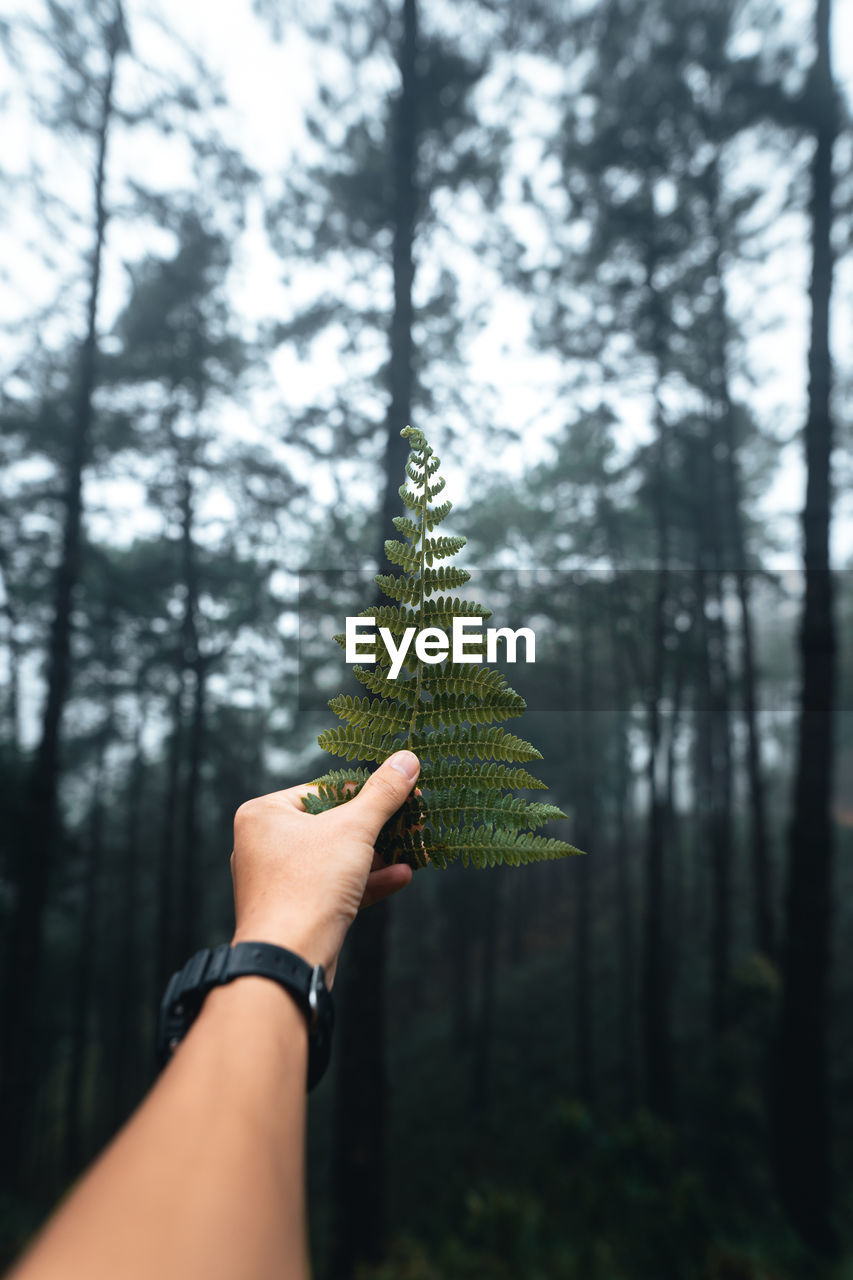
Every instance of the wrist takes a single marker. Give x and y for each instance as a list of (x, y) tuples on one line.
[(312, 942), (262, 999), (263, 967)]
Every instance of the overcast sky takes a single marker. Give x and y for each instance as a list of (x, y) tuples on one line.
[(270, 83)]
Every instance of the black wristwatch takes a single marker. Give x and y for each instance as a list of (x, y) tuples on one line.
[(212, 968)]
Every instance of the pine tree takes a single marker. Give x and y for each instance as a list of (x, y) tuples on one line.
[(800, 1099), (25, 947)]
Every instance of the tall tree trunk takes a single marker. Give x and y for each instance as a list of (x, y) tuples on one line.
[(189, 911), (716, 687), (626, 942), (457, 911), (764, 928), (801, 1104), (732, 504), (81, 996), (657, 1048), (519, 916), (190, 897), (401, 369), (721, 818), (674, 842), (12, 705), (127, 1074), (713, 764), (25, 949), (361, 1097), (166, 953), (481, 1058), (585, 818), (656, 1042)]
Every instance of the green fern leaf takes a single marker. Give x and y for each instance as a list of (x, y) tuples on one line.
[(358, 744), (448, 712)]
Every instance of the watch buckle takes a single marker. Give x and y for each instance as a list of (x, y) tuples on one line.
[(317, 983)]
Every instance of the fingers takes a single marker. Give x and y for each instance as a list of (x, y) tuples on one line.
[(387, 880), (384, 791)]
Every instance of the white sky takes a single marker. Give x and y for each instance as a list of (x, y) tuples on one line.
[(269, 85)]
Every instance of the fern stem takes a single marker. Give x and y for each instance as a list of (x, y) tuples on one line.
[(420, 667)]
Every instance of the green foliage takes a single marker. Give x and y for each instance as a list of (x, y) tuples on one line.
[(448, 713)]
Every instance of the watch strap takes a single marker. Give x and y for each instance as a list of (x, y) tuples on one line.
[(208, 968)]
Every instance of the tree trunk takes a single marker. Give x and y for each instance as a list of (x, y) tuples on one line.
[(128, 989), (762, 873), (656, 1043), (481, 1059), (25, 947), (458, 906), (657, 1049), (715, 683), (81, 995), (361, 1100), (585, 818), (801, 1104), (713, 789), (191, 898), (401, 369), (12, 705), (166, 954), (189, 914), (721, 818), (624, 890), (674, 842), (519, 914), (732, 503), (358, 1158)]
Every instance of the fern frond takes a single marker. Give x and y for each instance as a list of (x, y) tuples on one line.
[(408, 527), (450, 708), (441, 612), (482, 683), (374, 679), (442, 548), (473, 743), (466, 804), (411, 500), (400, 553), (371, 713), (334, 789), (434, 517), (405, 590), (358, 744), (448, 712), (484, 775), (409, 558), (488, 846)]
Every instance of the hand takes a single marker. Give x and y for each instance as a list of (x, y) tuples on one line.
[(300, 878)]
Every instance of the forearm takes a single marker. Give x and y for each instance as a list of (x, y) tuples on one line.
[(207, 1179)]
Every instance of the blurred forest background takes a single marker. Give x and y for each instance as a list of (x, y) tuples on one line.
[(600, 251)]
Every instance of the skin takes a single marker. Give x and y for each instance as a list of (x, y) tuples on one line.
[(207, 1180)]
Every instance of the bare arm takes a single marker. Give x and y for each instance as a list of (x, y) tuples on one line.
[(207, 1179)]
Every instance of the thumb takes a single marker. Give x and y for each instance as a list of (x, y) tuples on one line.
[(385, 790)]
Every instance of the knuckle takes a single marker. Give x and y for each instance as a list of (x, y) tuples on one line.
[(246, 813), (242, 813), (381, 784)]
